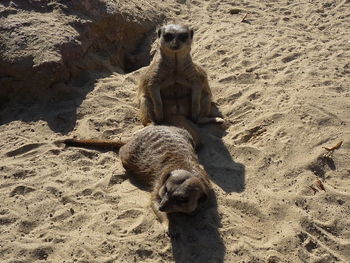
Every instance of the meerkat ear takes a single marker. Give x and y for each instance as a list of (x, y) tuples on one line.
[(191, 33), (165, 177), (159, 32)]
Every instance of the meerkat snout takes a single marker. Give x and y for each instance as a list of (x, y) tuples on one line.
[(182, 192), (175, 37)]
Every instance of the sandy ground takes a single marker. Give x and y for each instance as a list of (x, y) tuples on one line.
[(280, 78)]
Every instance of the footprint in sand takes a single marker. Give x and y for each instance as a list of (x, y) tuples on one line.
[(21, 190), (291, 57), (7, 220), (24, 149), (319, 236), (26, 226), (42, 253)]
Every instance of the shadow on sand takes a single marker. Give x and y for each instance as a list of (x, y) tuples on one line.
[(59, 110), (197, 237), (218, 162)]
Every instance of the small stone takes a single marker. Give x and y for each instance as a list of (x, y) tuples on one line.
[(234, 11)]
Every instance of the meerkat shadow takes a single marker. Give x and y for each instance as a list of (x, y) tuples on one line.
[(217, 160), (196, 237), (135, 180)]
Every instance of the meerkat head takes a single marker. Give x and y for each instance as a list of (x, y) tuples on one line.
[(175, 38), (182, 192)]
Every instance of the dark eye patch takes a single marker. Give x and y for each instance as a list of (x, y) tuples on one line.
[(168, 37), (183, 37), (181, 199)]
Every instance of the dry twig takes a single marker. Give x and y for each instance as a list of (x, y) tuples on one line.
[(243, 19), (330, 150)]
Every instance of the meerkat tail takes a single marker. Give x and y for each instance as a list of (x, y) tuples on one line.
[(205, 120), (103, 144)]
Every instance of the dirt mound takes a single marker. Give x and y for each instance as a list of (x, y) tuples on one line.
[(43, 43)]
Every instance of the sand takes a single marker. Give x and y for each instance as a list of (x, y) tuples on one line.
[(281, 79)]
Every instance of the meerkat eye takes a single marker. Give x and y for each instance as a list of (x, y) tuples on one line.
[(183, 37), (168, 37)]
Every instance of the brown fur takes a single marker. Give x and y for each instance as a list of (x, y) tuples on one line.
[(173, 84), (165, 159)]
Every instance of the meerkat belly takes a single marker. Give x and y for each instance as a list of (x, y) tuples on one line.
[(176, 100)]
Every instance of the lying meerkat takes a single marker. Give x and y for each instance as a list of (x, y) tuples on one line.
[(164, 158), (173, 84)]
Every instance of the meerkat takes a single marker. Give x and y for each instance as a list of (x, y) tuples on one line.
[(164, 158), (173, 85)]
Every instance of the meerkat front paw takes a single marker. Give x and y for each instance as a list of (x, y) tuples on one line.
[(164, 220)]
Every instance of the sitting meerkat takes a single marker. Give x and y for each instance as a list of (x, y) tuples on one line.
[(173, 85), (164, 158)]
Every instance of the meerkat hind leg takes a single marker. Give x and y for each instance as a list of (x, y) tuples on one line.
[(146, 109), (208, 112)]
